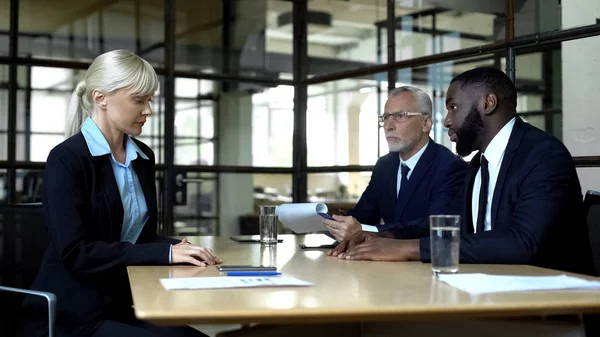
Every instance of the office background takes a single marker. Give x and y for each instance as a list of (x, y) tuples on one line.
[(273, 101)]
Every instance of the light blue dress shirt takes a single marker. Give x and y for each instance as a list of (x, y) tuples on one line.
[(135, 210)]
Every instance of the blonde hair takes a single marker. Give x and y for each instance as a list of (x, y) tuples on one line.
[(109, 72)]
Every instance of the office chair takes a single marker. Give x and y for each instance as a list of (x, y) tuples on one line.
[(23, 240), (33, 183), (50, 297), (591, 204), (591, 207)]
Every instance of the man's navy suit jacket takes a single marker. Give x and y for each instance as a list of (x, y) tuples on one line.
[(537, 214), (433, 185)]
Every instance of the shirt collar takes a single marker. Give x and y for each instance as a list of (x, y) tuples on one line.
[(495, 150), (412, 161), (98, 145)]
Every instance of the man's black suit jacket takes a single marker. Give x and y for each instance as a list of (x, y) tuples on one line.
[(537, 216)]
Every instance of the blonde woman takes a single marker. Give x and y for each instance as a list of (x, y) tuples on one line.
[(100, 205)]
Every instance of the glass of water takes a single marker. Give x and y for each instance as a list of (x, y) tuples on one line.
[(268, 255), (445, 243), (267, 224)]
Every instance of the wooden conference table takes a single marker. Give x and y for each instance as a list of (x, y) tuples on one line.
[(343, 291)]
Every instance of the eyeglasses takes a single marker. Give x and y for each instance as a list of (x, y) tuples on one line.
[(400, 116)]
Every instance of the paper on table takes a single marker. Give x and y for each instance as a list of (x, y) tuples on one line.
[(302, 217), (485, 283), (230, 282)]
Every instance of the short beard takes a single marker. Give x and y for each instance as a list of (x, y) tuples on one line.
[(399, 146), (469, 134)]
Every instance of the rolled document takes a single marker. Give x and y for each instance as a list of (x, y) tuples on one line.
[(302, 217)]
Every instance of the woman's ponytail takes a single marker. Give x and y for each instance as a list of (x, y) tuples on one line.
[(76, 113)]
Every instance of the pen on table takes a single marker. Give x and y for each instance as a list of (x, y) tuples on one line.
[(253, 273)]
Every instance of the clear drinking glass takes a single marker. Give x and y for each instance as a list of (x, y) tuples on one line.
[(268, 255), (268, 225), (445, 243)]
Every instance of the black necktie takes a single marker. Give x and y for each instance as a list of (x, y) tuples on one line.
[(483, 195), (404, 180)]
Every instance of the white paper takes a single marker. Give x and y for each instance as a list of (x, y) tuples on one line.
[(302, 217), (484, 283), (230, 282)]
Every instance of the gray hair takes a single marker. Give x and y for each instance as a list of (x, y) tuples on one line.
[(109, 72), (423, 100)]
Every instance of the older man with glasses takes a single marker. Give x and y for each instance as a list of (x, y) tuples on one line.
[(416, 179)]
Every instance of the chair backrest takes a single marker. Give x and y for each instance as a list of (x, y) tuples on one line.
[(33, 183), (592, 208), (23, 240)]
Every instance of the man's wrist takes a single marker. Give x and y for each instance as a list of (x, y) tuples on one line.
[(387, 234), (414, 250)]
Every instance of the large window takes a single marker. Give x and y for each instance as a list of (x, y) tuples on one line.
[(44, 95), (3, 112), (427, 31), (194, 122), (81, 31), (229, 198), (534, 16), (580, 87), (272, 126), (154, 129), (343, 30), (43, 99), (4, 25), (243, 38), (342, 127)]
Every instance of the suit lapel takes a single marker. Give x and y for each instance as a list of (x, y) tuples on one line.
[(111, 195), (392, 193), (470, 180), (511, 149), (422, 167)]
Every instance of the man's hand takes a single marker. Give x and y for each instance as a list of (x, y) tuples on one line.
[(185, 252), (384, 249), (343, 227), (351, 242)]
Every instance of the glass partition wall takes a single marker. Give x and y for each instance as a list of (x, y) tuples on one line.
[(274, 101)]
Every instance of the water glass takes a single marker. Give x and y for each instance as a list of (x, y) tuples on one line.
[(268, 255), (268, 225), (445, 243)]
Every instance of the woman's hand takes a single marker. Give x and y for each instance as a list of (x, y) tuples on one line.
[(185, 252)]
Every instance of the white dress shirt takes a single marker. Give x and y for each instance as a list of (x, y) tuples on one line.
[(411, 163), (494, 153)]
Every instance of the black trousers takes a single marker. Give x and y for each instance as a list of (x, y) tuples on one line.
[(121, 325), (139, 329)]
